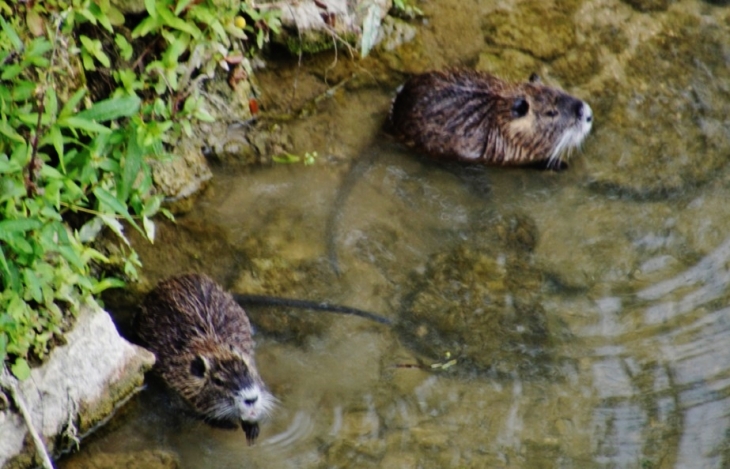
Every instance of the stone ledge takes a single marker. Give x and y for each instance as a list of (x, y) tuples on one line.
[(76, 390)]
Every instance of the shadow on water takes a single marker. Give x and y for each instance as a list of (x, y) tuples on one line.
[(586, 311)]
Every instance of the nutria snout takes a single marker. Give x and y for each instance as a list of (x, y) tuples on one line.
[(205, 353), (476, 117)]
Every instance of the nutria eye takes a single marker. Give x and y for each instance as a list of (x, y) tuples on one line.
[(551, 113), (520, 107), (534, 78)]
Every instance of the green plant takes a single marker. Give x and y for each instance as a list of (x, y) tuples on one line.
[(72, 164), (406, 8)]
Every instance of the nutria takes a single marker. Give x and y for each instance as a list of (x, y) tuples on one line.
[(476, 117), (202, 341)]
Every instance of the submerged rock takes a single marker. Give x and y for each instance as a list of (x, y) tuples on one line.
[(658, 137), (156, 459), (479, 302)]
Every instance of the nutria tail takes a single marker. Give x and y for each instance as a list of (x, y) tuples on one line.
[(263, 300), (357, 169), (476, 117)]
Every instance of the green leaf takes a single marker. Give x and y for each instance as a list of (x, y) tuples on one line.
[(51, 103), (133, 161), (12, 71), (125, 48), (83, 124), (150, 6), (109, 282), (147, 25), (177, 23), (70, 254), (115, 226), (70, 106), (12, 35), (33, 286), (110, 109), (149, 229), (20, 369), (181, 5), (9, 132), (20, 225), (95, 48), (107, 199)]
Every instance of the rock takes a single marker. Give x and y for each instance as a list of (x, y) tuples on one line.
[(537, 27), (181, 177), (129, 6), (156, 459), (311, 26), (656, 138), (479, 306), (79, 386)]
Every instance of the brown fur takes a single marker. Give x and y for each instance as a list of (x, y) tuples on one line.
[(476, 117), (202, 341)]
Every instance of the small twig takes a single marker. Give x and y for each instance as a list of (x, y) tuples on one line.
[(10, 384)]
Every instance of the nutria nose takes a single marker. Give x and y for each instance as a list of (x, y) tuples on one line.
[(251, 401), (583, 111)]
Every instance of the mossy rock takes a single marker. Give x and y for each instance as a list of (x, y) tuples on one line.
[(659, 137), (480, 310), (480, 302), (542, 29)]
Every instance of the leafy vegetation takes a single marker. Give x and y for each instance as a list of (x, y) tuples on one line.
[(85, 104)]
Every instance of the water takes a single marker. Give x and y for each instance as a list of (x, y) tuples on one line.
[(587, 310)]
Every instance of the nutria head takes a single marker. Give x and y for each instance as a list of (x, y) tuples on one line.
[(222, 385), (202, 341), (477, 117)]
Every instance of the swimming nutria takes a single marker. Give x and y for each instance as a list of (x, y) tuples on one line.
[(476, 117), (202, 341)]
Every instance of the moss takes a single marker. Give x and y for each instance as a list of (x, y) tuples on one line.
[(577, 66), (479, 299), (657, 138), (536, 27), (509, 64), (314, 42)]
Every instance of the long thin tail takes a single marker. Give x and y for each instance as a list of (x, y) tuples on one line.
[(263, 300), (357, 169)]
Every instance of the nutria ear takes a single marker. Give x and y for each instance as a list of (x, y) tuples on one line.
[(520, 107), (199, 366), (535, 78)]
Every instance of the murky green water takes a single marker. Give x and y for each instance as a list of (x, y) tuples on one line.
[(587, 310)]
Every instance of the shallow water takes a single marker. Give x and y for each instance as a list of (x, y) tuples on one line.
[(629, 365)]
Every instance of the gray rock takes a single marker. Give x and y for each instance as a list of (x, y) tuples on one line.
[(76, 389)]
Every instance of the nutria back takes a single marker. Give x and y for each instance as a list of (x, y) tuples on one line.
[(202, 341), (476, 117)]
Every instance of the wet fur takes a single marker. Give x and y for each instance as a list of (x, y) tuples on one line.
[(476, 117), (202, 341)]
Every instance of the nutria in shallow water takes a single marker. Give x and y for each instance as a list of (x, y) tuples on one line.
[(202, 341), (476, 117)]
